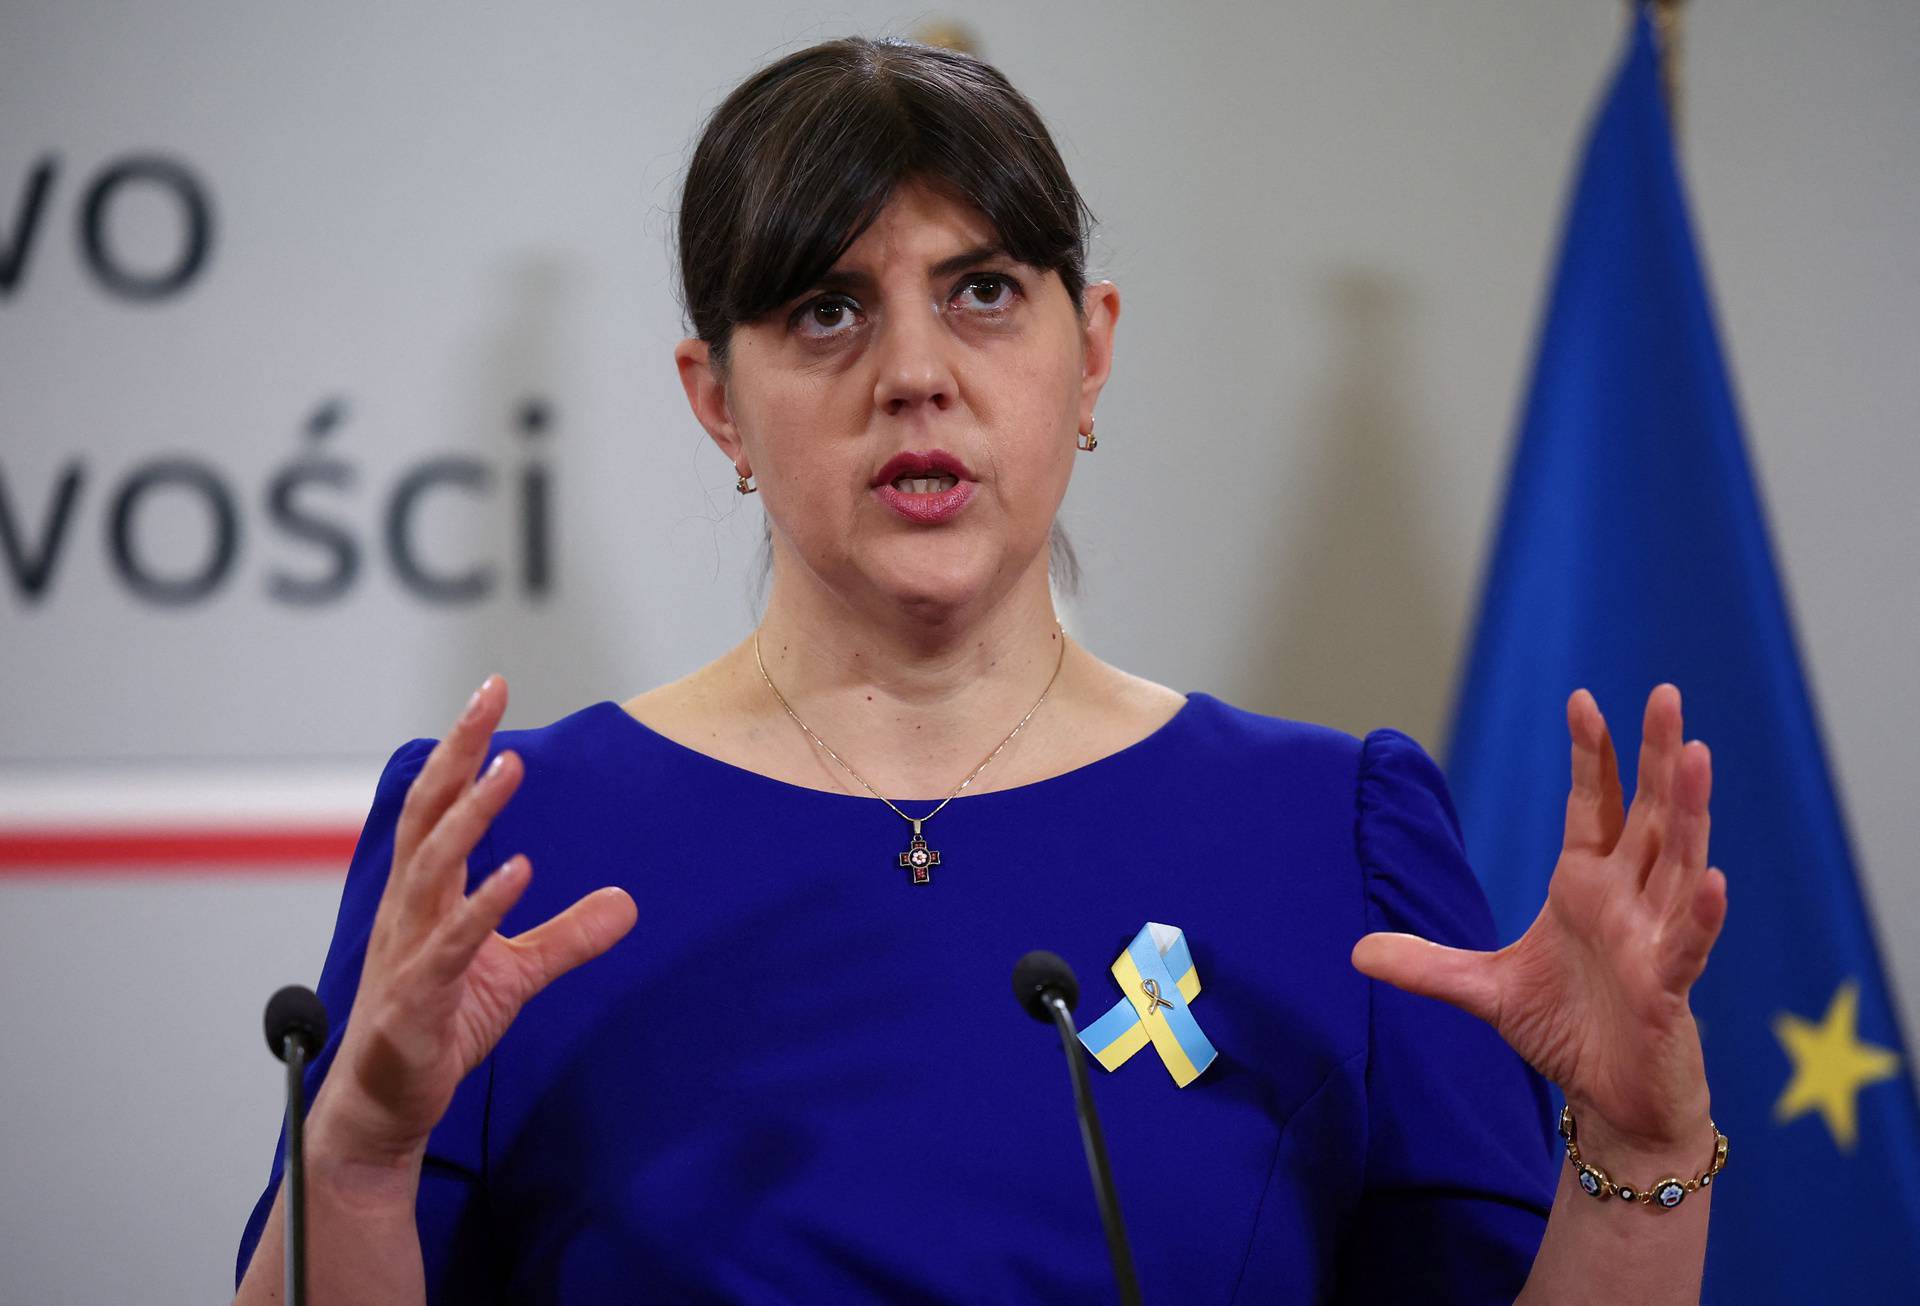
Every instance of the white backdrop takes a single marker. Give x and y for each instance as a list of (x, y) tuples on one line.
[(1330, 223)]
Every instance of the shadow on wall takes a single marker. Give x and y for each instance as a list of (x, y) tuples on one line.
[(512, 411), (1355, 628)]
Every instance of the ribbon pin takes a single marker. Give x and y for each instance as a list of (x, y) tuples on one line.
[(1155, 973)]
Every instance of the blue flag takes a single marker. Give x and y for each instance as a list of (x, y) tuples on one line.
[(1631, 550)]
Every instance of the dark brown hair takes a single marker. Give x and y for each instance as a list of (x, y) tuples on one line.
[(801, 158)]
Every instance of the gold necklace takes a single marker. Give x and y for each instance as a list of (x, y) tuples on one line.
[(918, 858)]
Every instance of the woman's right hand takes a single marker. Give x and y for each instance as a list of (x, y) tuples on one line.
[(440, 985)]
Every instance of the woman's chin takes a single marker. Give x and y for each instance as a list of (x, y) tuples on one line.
[(931, 581)]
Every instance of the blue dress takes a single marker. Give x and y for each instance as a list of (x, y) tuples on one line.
[(803, 1078)]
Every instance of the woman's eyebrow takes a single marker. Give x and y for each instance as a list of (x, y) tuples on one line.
[(856, 279), (967, 258)]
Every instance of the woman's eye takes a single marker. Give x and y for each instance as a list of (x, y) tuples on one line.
[(988, 290), (826, 316)]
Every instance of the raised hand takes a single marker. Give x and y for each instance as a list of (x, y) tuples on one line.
[(1594, 994), (440, 985)]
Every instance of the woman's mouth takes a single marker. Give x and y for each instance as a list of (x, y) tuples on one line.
[(926, 500), (924, 484), (925, 488)]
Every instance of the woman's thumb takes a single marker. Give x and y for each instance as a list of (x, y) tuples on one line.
[(1433, 970)]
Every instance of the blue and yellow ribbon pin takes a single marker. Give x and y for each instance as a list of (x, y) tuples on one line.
[(1157, 976)]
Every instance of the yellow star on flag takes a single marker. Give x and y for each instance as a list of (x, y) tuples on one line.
[(1830, 1065)]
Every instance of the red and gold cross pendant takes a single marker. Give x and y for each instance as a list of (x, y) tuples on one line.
[(919, 858)]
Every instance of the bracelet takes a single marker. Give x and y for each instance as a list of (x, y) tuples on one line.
[(1665, 1193)]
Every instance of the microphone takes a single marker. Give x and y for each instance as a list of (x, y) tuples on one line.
[(1047, 990), (296, 1025), (297, 1013)]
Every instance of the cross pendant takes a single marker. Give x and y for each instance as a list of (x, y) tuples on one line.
[(919, 858)]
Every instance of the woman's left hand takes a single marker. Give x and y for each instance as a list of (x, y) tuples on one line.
[(1594, 994)]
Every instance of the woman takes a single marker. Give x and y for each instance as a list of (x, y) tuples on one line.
[(801, 1079)]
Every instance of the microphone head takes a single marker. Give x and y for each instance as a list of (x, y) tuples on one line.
[(297, 1011), (1037, 972)]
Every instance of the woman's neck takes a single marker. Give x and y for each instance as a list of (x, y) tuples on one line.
[(912, 705)]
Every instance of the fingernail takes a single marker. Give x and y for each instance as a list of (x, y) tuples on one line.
[(473, 704), (493, 767)]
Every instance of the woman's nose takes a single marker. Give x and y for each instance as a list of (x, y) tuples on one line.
[(914, 367)]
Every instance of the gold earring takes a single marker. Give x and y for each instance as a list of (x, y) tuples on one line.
[(740, 484), (1086, 441)]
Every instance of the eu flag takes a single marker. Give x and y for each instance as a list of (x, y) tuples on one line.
[(1631, 550)]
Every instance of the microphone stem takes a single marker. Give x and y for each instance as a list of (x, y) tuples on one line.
[(1098, 1166), (295, 1186)]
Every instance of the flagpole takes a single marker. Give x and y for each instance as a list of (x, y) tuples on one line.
[(1667, 30)]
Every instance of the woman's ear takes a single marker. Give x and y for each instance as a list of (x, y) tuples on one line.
[(707, 395), (1100, 311)]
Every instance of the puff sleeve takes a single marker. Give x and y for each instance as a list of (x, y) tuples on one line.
[(1459, 1161), (451, 1210)]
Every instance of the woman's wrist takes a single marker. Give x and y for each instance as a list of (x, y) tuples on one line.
[(1637, 1170), (363, 1187), (352, 1164), (1685, 1138)]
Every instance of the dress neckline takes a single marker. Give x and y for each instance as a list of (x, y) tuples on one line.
[(1145, 744)]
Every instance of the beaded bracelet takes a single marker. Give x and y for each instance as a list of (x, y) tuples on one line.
[(1665, 1193)]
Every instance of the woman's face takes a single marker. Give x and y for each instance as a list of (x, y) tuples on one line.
[(924, 337)]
